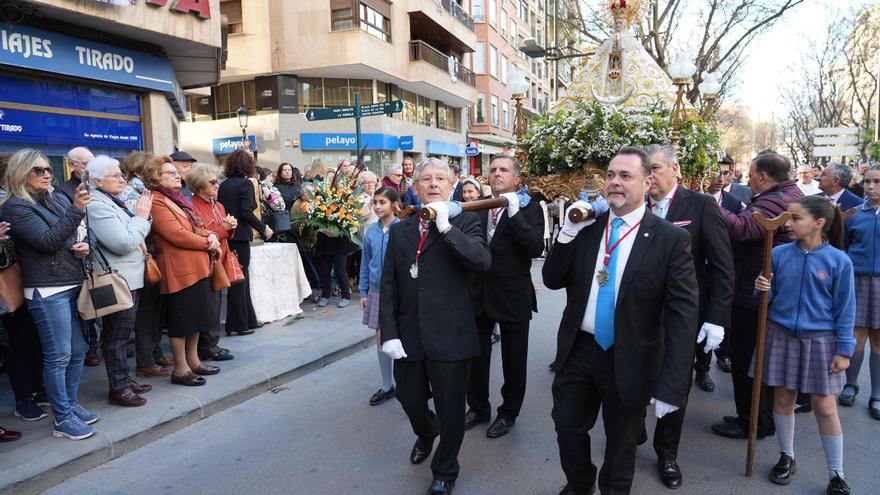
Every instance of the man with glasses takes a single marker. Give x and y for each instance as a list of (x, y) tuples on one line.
[(427, 318), (77, 158), (739, 191)]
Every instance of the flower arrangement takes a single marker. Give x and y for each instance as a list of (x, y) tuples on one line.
[(590, 134), (334, 206)]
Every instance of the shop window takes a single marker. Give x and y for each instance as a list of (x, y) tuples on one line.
[(442, 116), (342, 19), (311, 92), (453, 114), (373, 22), (410, 107), (232, 10), (494, 103), (480, 109), (336, 93), (200, 108), (364, 86), (427, 111)]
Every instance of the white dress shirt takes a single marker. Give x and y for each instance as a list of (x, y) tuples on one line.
[(588, 324), (492, 222), (836, 197)]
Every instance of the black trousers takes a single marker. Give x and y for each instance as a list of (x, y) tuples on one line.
[(667, 433), (514, 356), (208, 339), (148, 325), (240, 313), (446, 381), (743, 338), (336, 263), (24, 356), (584, 384), (115, 331)]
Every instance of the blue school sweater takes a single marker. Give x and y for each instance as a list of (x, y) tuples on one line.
[(373, 256), (862, 232), (813, 291)]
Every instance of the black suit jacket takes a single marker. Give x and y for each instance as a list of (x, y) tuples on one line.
[(432, 315), (238, 197), (710, 246), (742, 192), (731, 203), (507, 293), (655, 318)]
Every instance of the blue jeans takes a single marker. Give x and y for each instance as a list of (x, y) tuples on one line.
[(61, 334)]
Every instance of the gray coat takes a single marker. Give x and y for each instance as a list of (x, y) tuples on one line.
[(119, 238)]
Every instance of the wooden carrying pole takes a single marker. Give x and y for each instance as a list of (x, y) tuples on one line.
[(427, 214), (770, 226)]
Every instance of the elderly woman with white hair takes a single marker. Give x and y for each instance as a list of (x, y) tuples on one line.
[(393, 177), (120, 234)]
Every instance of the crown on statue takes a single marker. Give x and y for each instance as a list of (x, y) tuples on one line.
[(627, 10)]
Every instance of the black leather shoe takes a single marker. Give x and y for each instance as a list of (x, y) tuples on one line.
[(837, 486), (731, 419), (500, 427), (723, 364), (381, 396), (874, 408), (567, 490), (704, 381), (670, 474), (239, 332), (421, 450), (440, 487), (783, 470), (216, 356), (473, 418), (730, 430)]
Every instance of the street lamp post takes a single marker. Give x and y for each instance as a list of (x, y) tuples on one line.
[(518, 84), (243, 114), (681, 71), (709, 89)]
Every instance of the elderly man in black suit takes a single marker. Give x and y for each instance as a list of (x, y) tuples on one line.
[(713, 263), (427, 318), (627, 333), (505, 296)]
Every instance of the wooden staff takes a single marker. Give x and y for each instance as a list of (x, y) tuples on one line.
[(844, 215), (579, 214), (427, 214), (770, 226)]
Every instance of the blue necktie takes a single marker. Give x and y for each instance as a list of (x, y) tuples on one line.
[(607, 293)]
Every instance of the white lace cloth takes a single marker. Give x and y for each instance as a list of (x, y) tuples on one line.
[(278, 281)]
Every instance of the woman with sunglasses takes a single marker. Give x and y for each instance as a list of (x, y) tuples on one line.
[(120, 233), (51, 243)]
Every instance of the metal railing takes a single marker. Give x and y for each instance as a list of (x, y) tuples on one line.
[(421, 51), (459, 13)]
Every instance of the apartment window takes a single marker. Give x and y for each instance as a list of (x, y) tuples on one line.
[(494, 103), (364, 86), (375, 23), (232, 11), (410, 106), (477, 10), (480, 109), (504, 63), (427, 111), (493, 61), (493, 12), (503, 24), (480, 58), (524, 11), (230, 97), (311, 92), (342, 19), (336, 93), (505, 114)]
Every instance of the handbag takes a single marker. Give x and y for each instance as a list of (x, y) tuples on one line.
[(233, 268), (280, 221), (103, 294), (219, 279), (152, 274)]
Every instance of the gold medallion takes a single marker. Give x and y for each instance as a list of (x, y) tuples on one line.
[(602, 277)]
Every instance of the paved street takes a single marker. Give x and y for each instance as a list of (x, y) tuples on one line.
[(317, 435)]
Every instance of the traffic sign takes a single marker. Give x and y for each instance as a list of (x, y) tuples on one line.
[(330, 113), (472, 151), (393, 106)]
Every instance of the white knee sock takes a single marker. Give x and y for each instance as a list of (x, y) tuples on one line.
[(833, 447), (785, 432)]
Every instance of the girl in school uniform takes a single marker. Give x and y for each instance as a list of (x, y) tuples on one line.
[(863, 246), (809, 331), (372, 259)]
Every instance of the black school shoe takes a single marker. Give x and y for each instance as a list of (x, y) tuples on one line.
[(783, 471), (838, 486), (381, 396)]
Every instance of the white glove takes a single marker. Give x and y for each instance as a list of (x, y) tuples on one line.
[(570, 229), (394, 349), (512, 203), (712, 334), (441, 209), (661, 408)]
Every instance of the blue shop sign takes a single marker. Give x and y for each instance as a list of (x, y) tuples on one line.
[(347, 141), (52, 113), (406, 143), (443, 148), (32, 48), (223, 146)]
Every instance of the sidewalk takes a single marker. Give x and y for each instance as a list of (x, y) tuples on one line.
[(276, 354)]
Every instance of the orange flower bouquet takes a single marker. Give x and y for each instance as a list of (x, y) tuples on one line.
[(334, 205)]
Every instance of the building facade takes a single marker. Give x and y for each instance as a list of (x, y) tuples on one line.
[(108, 75), (286, 59)]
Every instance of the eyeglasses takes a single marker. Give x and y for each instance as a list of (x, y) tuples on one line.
[(428, 180), (114, 176), (396, 175), (174, 173), (213, 182), (41, 171), (725, 172)]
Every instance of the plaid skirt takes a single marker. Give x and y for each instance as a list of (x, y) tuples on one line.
[(798, 363), (868, 301), (371, 312)]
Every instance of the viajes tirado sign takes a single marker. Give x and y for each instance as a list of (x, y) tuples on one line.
[(200, 8)]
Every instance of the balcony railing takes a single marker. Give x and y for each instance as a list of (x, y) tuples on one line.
[(419, 50), (459, 13)]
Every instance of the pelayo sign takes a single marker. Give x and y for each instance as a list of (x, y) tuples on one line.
[(223, 146)]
